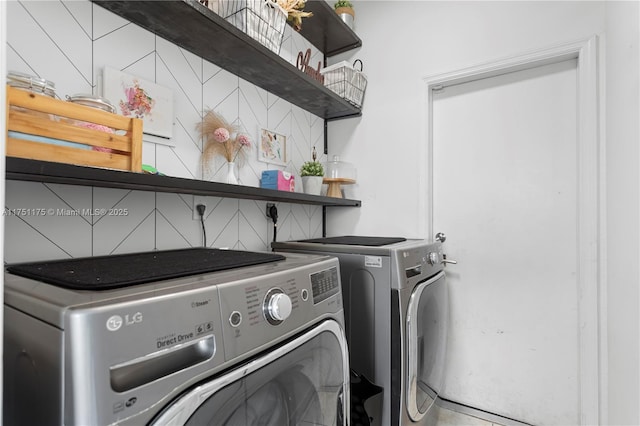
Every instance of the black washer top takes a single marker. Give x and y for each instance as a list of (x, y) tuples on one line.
[(353, 240), (109, 272)]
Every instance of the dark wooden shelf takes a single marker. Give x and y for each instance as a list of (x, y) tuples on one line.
[(49, 172), (326, 31), (194, 27)]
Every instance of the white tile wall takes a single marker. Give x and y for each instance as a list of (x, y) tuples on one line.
[(70, 43)]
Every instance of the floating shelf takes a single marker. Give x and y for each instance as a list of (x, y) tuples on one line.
[(45, 171), (326, 31), (194, 27)]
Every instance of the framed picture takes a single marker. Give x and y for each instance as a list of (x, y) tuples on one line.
[(138, 98), (272, 148)]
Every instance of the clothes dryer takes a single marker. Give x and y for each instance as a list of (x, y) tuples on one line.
[(182, 337), (396, 315)]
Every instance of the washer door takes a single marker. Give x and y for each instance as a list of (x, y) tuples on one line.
[(304, 381), (427, 317)]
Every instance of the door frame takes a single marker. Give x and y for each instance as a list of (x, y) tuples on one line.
[(591, 285)]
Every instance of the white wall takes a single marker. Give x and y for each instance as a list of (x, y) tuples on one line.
[(403, 42), (623, 193)]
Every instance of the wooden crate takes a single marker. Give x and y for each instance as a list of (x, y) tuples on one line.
[(42, 128)]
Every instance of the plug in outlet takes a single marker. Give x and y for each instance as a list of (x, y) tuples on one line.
[(268, 210), (197, 199)]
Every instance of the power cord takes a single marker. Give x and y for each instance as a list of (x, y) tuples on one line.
[(272, 212), (201, 208)]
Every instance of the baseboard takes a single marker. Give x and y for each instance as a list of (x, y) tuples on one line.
[(484, 415)]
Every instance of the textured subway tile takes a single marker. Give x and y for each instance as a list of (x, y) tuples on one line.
[(253, 224), (82, 12), (128, 48), (138, 239), (39, 47), (71, 43), (47, 216), (176, 226), (122, 220), (176, 73), (169, 237), (221, 222), (220, 93), (25, 243), (179, 161), (106, 22), (149, 153)]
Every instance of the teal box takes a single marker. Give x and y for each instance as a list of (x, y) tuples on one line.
[(277, 179)]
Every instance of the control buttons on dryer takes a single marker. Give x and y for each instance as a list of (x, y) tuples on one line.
[(304, 294), (235, 318), (277, 306)]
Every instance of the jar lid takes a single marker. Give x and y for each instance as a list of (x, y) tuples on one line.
[(92, 101), (32, 83), (339, 169)]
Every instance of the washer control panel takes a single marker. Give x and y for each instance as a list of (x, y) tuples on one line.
[(259, 310), (276, 306), (324, 284)]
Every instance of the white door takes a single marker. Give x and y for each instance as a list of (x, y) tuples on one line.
[(505, 188)]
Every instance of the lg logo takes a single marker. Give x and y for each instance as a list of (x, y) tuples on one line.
[(116, 321)]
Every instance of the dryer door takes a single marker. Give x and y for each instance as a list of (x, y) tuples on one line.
[(304, 381), (426, 325)]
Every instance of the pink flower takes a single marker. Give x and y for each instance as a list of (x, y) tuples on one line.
[(244, 140), (221, 135)]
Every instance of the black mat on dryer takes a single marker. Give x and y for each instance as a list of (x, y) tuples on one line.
[(108, 272), (354, 240)]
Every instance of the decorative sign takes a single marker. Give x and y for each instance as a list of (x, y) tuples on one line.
[(302, 63)]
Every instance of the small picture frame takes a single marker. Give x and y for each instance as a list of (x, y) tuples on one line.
[(135, 97), (272, 147)]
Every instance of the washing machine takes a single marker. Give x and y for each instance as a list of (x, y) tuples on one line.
[(176, 337), (396, 315)]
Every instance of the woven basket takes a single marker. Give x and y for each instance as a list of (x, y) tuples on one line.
[(262, 20), (346, 81)]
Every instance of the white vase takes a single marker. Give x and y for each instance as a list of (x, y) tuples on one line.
[(231, 173), (312, 184)]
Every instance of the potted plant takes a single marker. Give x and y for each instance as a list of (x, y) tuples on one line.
[(344, 9), (312, 173)]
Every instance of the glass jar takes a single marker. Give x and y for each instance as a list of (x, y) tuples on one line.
[(93, 102), (98, 103), (336, 174), (31, 83), (337, 169)]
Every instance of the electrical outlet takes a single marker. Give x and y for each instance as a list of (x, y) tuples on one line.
[(198, 199), (269, 205)]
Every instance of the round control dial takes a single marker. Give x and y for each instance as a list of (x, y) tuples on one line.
[(434, 258), (276, 307)]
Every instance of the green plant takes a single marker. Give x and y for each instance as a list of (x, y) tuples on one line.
[(342, 3), (312, 168)]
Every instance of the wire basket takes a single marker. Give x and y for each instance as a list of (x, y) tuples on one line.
[(346, 81), (262, 20)]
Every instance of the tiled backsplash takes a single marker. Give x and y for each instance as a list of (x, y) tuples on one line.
[(70, 43)]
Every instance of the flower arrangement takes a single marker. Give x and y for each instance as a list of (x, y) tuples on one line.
[(295, 12), (221, 138)]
